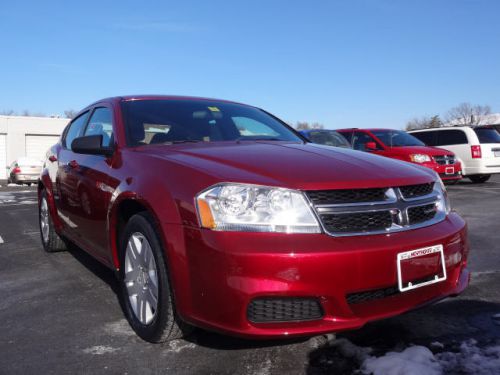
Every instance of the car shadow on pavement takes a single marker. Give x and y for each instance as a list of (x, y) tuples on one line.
[(440, 327), (199, 337)]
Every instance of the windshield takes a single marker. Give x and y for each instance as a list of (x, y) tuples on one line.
[(487, 135), (397, 138), (178, 121), (328, 138)]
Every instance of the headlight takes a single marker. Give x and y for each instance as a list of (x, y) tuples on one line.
[(420, 158), (443, 203), (253, 208)]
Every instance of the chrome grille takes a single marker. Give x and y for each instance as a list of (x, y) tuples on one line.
[(400, 208), (445, 159)]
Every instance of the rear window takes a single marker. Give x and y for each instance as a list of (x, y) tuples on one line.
[(487, 135), (451, 137), (176, 121)]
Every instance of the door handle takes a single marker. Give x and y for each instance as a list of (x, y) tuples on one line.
[(73, 164)]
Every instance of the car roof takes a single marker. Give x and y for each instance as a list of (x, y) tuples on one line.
[(367, 129), (446, 128), (126, 98)]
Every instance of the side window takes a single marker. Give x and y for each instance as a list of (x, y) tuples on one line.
[(429, 138), (451, 137), (75, 129), (360, 140), (101, 123)]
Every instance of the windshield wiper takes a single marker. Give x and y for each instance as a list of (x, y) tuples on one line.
[(185, 141)]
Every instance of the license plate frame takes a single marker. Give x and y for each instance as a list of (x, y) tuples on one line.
[(449, 170), (420, 253)]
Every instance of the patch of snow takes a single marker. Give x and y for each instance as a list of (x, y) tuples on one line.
[(471, 359), (1, 240), (348, 349), (99, 350), (415, 360), (177, 346)]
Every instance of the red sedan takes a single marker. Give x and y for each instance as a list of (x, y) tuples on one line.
[(218, 215)]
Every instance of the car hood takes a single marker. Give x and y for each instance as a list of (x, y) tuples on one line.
[(292, 165), (432, 151)]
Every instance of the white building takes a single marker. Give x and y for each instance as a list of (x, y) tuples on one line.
[(27, 136)]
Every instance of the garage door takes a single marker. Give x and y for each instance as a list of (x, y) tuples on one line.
[(3, 157), (37, 145)]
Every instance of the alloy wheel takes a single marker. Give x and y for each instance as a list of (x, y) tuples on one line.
[(141, 278)]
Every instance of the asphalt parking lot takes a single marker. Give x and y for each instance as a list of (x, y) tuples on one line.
[(59, 313)]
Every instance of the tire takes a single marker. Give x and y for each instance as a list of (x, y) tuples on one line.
[(51, 241), (146, 293), (479, 178)]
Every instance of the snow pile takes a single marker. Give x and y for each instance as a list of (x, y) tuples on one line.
[(471, 359), (415, 360), (468, 358)]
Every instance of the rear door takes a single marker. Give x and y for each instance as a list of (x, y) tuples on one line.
[(93, 187), (66, 197)]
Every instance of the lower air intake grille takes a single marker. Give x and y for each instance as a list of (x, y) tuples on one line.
[(269, 310), (371, 295), (357, 222)]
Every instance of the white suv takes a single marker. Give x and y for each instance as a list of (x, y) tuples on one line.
[(478, 148)]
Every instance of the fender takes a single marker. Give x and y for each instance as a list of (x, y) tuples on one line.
[(112, 221)]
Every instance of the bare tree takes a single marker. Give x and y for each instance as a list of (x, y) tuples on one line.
[(304, 125), (418, 123), (8, 112), (70, 113), (467, 114)]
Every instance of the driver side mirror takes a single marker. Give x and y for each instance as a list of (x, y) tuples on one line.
[(91, 145), (371, 146)]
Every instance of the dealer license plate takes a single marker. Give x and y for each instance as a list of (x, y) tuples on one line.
[(421, 267)]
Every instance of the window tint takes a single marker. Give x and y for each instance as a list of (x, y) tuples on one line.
[(327, 137), (75, 129), (101, 123), (487, 135), (250, 127), (360, 140), (171, 121), (451, 137), (396, 138), (429, 138)]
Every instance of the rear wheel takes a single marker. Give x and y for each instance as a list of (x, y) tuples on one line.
[(479, 178), (146, 291), (50, 239)]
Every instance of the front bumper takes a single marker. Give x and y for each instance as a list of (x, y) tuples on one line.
[(446, 172), (32, 178), (217, 275)]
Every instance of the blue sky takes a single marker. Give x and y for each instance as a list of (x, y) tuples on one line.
[(342, 63)]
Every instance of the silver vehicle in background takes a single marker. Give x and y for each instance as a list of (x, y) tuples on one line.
[(25, 170)]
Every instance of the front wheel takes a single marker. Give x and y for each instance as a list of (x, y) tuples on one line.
[(50, 239), (479, 178), (146, 292)]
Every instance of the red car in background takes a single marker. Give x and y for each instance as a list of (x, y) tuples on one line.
[(397, 144), (218, 215)]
